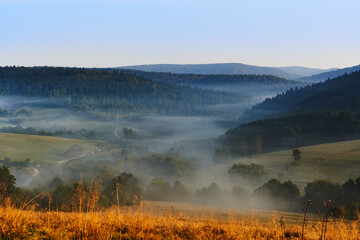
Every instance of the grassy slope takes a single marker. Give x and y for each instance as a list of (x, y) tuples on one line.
[(40, 149), (334, 161)]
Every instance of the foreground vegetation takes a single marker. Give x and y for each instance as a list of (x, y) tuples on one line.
[(141, 223)]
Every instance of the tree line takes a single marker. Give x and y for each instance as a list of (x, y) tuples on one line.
[(191, 79), (91, 194)]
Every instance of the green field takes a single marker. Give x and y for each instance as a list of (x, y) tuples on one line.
[(40, 149), (334, 161)]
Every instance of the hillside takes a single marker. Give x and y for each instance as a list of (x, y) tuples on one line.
[(338, 161), (216, 68), (336, 94), (41, 149), (249, 85), (86, 89), (292, 131), (329, 74)]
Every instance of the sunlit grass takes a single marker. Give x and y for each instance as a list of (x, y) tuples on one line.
[(142, 223)]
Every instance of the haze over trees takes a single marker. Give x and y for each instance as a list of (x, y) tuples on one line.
[(336, 94), (292, 131), (85, 89), (216, 68)]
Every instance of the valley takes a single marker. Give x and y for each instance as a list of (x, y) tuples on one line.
[(147, 119)]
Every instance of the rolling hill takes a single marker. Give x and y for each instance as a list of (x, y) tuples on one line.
[(337, 161), (216, 68), (40, 149), (237, 83), (305, 71), (329, 74)]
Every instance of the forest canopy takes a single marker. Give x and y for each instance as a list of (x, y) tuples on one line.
[(88, 89)]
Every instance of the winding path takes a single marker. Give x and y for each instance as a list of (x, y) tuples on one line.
[(28, 181), (59, 163)]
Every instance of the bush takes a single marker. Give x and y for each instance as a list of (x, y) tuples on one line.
[(322, 191), (208, 194), (245, 170), (167, 165), (222, 155), (159, 190), (278, 191)]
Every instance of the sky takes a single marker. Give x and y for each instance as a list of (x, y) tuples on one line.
[(110, 33)]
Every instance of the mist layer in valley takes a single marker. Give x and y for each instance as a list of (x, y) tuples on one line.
[(158, 150)]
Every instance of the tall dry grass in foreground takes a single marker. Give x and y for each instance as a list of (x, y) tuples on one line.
[(138, 223)]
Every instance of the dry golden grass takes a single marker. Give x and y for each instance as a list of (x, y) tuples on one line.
[(141, 223)]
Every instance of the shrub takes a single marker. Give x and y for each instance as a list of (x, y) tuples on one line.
[(245, 170)]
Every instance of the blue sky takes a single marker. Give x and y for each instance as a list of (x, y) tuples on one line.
[(107, 33)]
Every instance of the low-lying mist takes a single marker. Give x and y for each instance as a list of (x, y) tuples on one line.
[(175, 150)]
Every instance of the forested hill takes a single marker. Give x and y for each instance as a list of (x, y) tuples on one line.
[(197, 79), (255, 87), (292, 131), (329, 74), (108, 90), (215, 68), (336, 94)]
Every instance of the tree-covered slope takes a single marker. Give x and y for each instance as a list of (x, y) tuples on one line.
[(292, 131), (189, 78), (336, 94), (108, 90), (256, 87)]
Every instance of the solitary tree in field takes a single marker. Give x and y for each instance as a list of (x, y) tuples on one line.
[(296, 154)]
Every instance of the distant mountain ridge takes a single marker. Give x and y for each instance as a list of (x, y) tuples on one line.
[(305, 71), (216, 68), (331, 74)]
